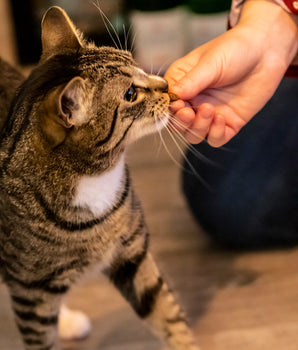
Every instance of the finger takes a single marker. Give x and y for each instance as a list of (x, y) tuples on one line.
[(183, 119), (176, 72), (201, 125), (217, 131), (194, 81), (175, 106)]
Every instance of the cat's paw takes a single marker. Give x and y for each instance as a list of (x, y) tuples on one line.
[(73, 324)]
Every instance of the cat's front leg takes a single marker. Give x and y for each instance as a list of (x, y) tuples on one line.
[(36, 315), (140, 282)]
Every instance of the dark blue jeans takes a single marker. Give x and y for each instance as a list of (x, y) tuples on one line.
[(253, 201)]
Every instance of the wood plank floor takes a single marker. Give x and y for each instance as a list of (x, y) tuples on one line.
[(234, 301)]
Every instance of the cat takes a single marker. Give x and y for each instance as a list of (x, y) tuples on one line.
[(67, 204)]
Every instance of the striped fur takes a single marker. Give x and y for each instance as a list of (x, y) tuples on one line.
[(67, 130)]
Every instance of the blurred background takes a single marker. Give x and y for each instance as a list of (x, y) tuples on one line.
[(156, 31)]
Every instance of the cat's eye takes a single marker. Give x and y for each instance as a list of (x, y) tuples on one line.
[(131, 94)]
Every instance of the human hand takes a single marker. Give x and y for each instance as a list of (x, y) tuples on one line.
[(225, 82)]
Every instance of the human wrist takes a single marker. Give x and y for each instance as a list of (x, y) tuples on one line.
[(272, 29)]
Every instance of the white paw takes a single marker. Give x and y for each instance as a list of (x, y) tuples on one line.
[(73, 324)]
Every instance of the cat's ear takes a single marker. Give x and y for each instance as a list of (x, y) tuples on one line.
[(65, 107), (73, 103), (58, 32)]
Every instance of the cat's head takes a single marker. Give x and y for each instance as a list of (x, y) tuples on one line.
[(95, 100)]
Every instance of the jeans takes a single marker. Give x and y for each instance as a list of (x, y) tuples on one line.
[(252, 197)]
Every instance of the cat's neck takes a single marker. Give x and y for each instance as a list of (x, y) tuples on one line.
[(98, 193)]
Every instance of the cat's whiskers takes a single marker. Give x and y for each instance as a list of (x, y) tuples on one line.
[(193, 150), (160, 145), (177, 123), (128, 34), (133, 49), (182, 152), (125, 37), (180, 125), (166, 63), (165, 145), (107, 22)]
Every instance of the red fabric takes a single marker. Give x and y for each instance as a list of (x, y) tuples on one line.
[(290, 6), (292, 72), (293, 69)]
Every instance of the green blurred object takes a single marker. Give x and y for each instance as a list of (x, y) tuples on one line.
[(153, 5), (208, 6)]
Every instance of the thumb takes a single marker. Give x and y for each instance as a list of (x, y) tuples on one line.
[(192, 82)]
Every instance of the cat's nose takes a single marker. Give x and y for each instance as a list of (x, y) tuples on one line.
[(159, 84), (164, 86)]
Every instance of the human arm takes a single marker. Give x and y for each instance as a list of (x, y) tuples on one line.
[(225, 82)]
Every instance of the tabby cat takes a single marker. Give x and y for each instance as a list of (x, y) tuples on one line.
[(67, 203)]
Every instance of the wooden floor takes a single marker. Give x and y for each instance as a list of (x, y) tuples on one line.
[(234, 301)]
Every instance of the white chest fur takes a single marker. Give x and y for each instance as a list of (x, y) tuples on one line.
[(98, 193)]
